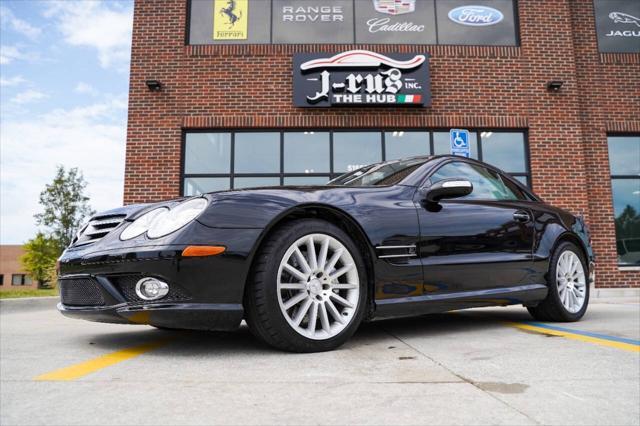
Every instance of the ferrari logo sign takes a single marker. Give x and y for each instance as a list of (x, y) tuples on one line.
[(230, 19), (361, 78)]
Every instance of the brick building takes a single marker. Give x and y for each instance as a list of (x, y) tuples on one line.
[(12, 276), (224, 115)]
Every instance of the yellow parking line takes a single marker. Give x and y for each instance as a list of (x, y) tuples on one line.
[(569, 335), (82, 369)]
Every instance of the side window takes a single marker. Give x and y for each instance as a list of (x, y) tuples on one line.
[(487, 185), (513, 188)]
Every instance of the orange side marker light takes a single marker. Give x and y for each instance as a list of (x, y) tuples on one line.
[(200, 251)]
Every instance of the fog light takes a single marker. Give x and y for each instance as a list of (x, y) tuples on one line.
[(151, 289)]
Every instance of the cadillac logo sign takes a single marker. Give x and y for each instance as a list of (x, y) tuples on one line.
[(360, 78), (395, 7)]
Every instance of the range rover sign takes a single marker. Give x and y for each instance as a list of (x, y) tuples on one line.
[(361, 78)]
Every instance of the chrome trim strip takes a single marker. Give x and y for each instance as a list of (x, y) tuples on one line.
[(396, 247), (456, 183), (387, 256)]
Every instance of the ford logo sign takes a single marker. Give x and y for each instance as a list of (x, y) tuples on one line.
[(477, 16)]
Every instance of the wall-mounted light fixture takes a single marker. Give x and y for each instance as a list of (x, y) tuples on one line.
[(154, 85), (554, 85)]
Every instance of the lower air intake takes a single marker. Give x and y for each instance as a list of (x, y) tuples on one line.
[(80, 292)]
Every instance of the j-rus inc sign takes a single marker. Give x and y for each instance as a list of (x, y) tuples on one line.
[(360, 78)]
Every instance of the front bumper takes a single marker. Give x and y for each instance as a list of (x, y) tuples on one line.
[(98, 283), (193, 316)]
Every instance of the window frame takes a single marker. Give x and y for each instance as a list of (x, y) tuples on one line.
[(23, 280), (516, 23), (613, 177), (332, 174)]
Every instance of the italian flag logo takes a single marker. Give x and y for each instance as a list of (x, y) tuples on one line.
[(408, 99)]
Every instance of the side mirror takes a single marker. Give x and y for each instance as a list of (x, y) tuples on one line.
[(448, 188)]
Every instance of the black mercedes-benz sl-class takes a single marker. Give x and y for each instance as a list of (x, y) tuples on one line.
[(304, 266)]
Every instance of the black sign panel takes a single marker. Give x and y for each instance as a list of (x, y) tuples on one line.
[(395, 22), (208, 17), (361, 78), (471, 22), (618, 25), (477, 22), (316, 21)]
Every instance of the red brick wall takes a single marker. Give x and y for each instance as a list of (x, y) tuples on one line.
[(503, 87)]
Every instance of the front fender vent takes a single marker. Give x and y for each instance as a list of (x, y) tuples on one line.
[(389, 252), (97, 228)]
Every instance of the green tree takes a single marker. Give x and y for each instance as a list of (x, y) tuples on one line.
[(65, 206), (39, 260)]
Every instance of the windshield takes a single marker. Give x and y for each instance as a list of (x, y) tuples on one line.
[(380, 174)]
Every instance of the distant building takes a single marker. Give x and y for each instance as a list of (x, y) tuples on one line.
[(12, 276)]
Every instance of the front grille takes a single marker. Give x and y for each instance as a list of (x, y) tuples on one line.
[(97, 228), (80, 292), (126, 284)]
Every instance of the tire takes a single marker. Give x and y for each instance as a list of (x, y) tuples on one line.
[(552, 308), (270, 314)]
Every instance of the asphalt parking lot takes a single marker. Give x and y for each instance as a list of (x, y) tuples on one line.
[(485, 366)]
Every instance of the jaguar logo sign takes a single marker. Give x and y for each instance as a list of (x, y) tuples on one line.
[(476, 16), (618, 25), (361, 78), (624, 18)]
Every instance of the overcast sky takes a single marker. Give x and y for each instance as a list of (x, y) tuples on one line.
[(64, 75)]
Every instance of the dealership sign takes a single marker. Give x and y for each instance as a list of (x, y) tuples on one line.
[(360, 78), (618, 25), (476, 16), (394, 7), (231, 20), (401, 22)]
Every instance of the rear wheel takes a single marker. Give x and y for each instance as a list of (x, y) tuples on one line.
[(309, 288), (568, 295)]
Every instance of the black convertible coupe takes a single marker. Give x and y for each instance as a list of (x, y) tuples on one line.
[(304, 266)]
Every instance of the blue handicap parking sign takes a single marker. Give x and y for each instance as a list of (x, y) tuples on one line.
[(459, 139)]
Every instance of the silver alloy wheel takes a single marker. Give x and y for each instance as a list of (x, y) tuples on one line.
[(318, 286), (571, 280)]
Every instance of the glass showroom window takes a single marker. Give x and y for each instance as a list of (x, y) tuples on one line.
[(215, 161), (352, 150), (207, 162), (624, 163), (307, 158), (403, 144), (505, 150)]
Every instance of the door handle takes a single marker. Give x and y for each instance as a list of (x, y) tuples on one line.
[(521, 216)]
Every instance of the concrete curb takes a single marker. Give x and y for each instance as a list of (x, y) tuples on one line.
[(611, 293), (28, 304)]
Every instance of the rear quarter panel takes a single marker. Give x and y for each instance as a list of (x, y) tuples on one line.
[(553, 224)]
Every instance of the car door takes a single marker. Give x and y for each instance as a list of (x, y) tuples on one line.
[(480, 241)]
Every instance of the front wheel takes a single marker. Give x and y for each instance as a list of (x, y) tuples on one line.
[(308, 292), (568, 295)]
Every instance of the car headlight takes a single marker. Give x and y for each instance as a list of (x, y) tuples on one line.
[(174, 219), (142, 224)]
